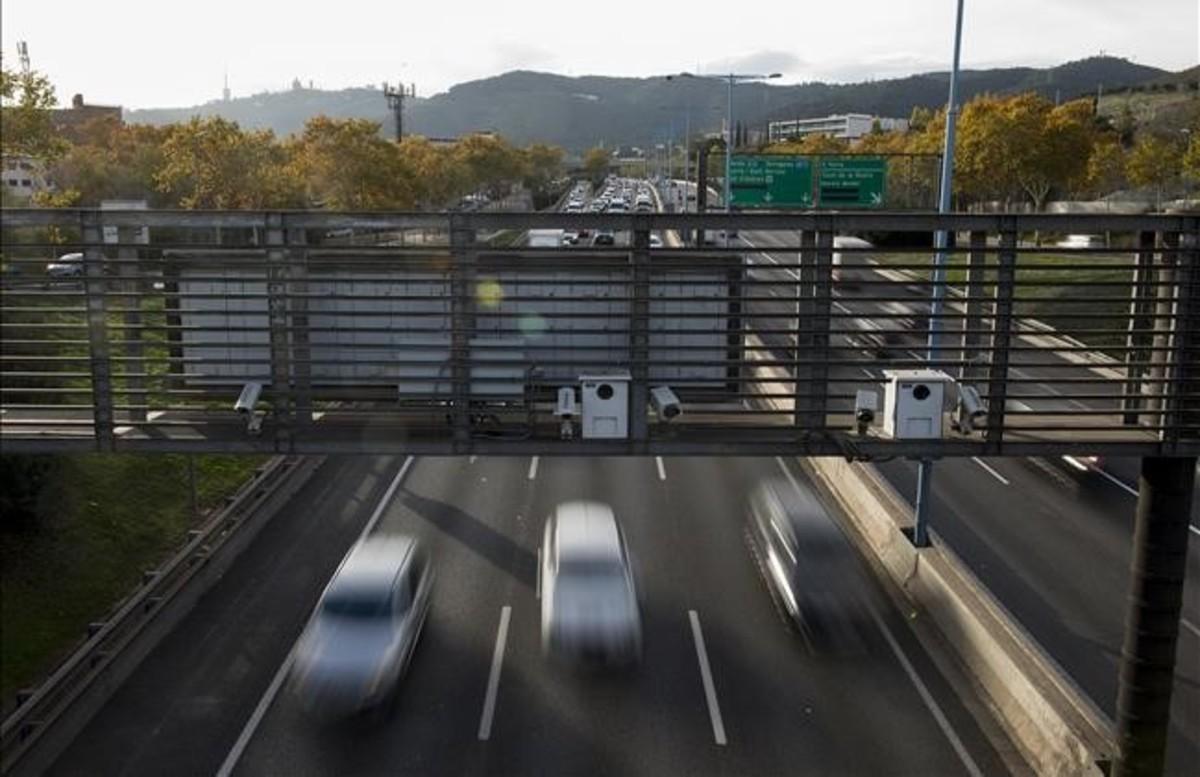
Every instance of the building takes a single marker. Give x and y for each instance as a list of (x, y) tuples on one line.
[(69, 122), (849, 126), (23, 176)]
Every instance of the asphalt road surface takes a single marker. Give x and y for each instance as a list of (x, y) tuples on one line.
[(203, 702)]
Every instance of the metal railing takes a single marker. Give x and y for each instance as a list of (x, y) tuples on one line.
[(452, 346), (40, 709)]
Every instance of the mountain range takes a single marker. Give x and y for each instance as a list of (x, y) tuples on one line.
[(580, 112)]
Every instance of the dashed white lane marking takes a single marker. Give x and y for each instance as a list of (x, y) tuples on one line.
[(989, 470), (710, 691), (264, 704), (967, 761), (662, 472), (493, 686), (533, 465)]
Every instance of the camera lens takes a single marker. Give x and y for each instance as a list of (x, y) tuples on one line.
[(921, 392)]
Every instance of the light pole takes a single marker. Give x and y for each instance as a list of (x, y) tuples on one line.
[(925, 468), (730, 79)]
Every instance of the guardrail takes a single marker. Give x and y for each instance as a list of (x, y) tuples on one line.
[(64, 702), (460, 347)]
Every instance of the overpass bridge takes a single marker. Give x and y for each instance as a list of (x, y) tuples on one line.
[(450, 346)]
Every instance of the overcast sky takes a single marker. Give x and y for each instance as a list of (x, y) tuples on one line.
[(159, 53)]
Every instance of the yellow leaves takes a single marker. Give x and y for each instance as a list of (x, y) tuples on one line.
[(1154, 161), (213, 163)]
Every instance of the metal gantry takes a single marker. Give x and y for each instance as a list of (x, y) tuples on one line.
[(307, 332)]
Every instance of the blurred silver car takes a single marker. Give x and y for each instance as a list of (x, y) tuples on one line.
[(358, 644), (590, 609), (807, 562), (66, 266)]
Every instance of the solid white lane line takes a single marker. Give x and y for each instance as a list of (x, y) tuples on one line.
[(989, 470), (867, 372), (533, 467), (387, 498), (662, 472), (967, 761), (710, 691), (264, 704), (256, 717), (1121, 484), (489, 700), (787, 473), (1189, 626)]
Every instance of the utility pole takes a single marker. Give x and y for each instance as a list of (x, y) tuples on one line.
[(395, 97), (941, 240)]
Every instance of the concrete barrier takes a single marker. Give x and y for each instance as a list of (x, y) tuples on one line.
[(1056, 727)]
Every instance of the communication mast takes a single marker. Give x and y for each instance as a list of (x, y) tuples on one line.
[(396, 96), (23, 53)]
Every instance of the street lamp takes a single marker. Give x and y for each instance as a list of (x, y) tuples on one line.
[(730, 79), (941, 240)]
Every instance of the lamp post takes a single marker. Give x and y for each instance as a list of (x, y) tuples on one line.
[(941, 239), (730, 79)]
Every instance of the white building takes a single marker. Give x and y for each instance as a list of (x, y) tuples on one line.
[(850, 126), (23, 176)]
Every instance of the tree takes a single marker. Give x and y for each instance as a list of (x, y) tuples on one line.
[(491, 164), (113, 161), (543, 166), (1022, 145), (1106, 167), (212, 163), (26, 100), (346, 165), (811, 144), (1190, 162), (596, 163), (1154, 161), (440, 177), (920, 118)]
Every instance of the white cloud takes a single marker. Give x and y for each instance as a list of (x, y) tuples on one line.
[(143, 53)]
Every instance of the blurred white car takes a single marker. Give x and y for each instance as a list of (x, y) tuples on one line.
[(590, 610), (360, 640)]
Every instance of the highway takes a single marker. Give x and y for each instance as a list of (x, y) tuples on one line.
[(1051, 539), (202, 701)]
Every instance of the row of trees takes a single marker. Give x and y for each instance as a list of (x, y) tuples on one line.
[(341, 164), (1025, 148)]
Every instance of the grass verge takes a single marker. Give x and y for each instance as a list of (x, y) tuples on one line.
[(1084, 296), (102, 520)]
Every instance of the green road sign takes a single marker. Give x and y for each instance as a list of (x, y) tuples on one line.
[(771, 181), (850, 182)]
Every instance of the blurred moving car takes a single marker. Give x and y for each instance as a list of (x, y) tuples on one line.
[(66, 266), (604, 237), (360, 640), (807, 562), (590, 609)]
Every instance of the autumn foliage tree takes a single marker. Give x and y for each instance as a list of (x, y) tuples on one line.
[(213, 163), (346, 165)]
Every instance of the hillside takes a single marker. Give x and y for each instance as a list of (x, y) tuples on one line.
[(581, 112)]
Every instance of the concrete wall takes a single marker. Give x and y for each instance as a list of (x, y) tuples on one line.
[(1057, 729)]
